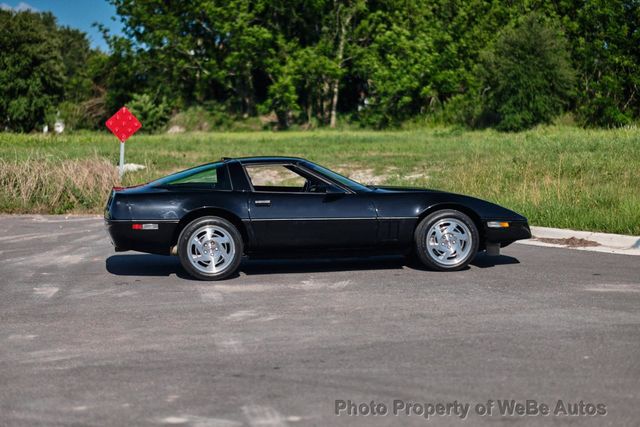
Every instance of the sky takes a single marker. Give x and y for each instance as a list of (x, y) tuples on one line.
[(79, 14)]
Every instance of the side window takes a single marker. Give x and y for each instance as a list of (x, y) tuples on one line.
[(214, 176), (275, 178)]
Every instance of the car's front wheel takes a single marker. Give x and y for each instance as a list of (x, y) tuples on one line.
[(446, 240), (210, 248)]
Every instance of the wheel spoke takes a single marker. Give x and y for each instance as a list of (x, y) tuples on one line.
[(219, 245), (202, 257), (448, 242), (220, 240), (198, 245), (451, 228), (459, 236), (436, 233)]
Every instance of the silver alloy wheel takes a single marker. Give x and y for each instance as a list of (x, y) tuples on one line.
[(211, 249), (448, 242)]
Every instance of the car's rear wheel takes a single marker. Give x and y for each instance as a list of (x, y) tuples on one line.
[(210, 248), (446, 240)]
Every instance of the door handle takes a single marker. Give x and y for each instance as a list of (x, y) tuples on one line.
[(262, 202)]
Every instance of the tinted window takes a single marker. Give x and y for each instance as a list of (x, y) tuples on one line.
[(356, 186), (284, 178), (214, 176), (274, 176)]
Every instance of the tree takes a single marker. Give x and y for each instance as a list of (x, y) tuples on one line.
[(526, 75), (605, 44), (342, 15), (395, 61), (153, 113), (31, 69), (75, 52)]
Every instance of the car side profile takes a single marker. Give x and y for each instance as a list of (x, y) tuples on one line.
[(214, 214)]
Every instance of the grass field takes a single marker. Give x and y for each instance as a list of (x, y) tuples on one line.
[(556, 176)]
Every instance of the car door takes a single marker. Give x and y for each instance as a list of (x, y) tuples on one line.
[(290, 208)]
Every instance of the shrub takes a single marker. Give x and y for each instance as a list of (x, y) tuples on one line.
[(211, 117), (526, 75), (152, 113)]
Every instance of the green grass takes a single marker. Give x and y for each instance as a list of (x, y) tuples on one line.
[(556, 176)]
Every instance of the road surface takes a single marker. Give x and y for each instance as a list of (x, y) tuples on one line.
[(91, 337)]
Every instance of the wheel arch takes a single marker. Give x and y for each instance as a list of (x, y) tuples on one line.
[(211, 211), (457, 207)]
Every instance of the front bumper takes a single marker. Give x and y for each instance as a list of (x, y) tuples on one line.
[(517, 230)]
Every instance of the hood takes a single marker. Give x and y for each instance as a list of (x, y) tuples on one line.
[(397, 189)]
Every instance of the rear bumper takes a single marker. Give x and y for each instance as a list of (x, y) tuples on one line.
[(517, 230), (155, 241)]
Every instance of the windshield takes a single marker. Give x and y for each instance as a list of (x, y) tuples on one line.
[(355, 186)]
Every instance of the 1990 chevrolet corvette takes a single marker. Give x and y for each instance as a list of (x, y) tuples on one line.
[(212, 215)]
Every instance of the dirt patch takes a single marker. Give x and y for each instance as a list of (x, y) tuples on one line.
[(572, 242), (365, 176), (369, 176)]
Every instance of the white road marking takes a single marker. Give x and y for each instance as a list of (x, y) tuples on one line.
[(209, 294), (230, 345), (53, 355), (175, 420), (67, 219), (245, 288), (21, 337), (213, 422), (612, 287), (241, 315), (304, 285), (45, 291), (43, 236), (267, 318), (258, 415), (196, 421), (341, 284), (21, 237)]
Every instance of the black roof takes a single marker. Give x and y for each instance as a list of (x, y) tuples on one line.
[(264, 159)]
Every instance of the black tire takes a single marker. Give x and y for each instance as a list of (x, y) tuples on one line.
[(184, 247), (428, 259)]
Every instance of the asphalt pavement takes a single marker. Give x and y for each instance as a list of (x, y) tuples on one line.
[(93, 337)]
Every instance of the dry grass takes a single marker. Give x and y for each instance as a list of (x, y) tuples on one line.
[(46, 185), (562, 177)]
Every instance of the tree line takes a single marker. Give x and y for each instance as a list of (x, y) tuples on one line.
[(377, 63)]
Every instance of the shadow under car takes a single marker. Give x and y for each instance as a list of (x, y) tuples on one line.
[(159, 265)]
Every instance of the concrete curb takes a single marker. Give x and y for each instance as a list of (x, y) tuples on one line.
[(609, 243)]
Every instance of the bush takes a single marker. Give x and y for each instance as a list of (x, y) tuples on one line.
[(211, 117), (526, 75), (602, 111), (152, 113)]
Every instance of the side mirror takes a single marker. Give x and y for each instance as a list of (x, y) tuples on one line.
[(332, 189)]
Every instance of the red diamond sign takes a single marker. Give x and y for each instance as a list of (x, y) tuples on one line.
[(123, 124)]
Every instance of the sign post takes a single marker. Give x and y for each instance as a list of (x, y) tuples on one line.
[(121, 167), (123, 124)]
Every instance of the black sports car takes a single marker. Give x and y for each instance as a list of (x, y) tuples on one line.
[(212, 215)]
